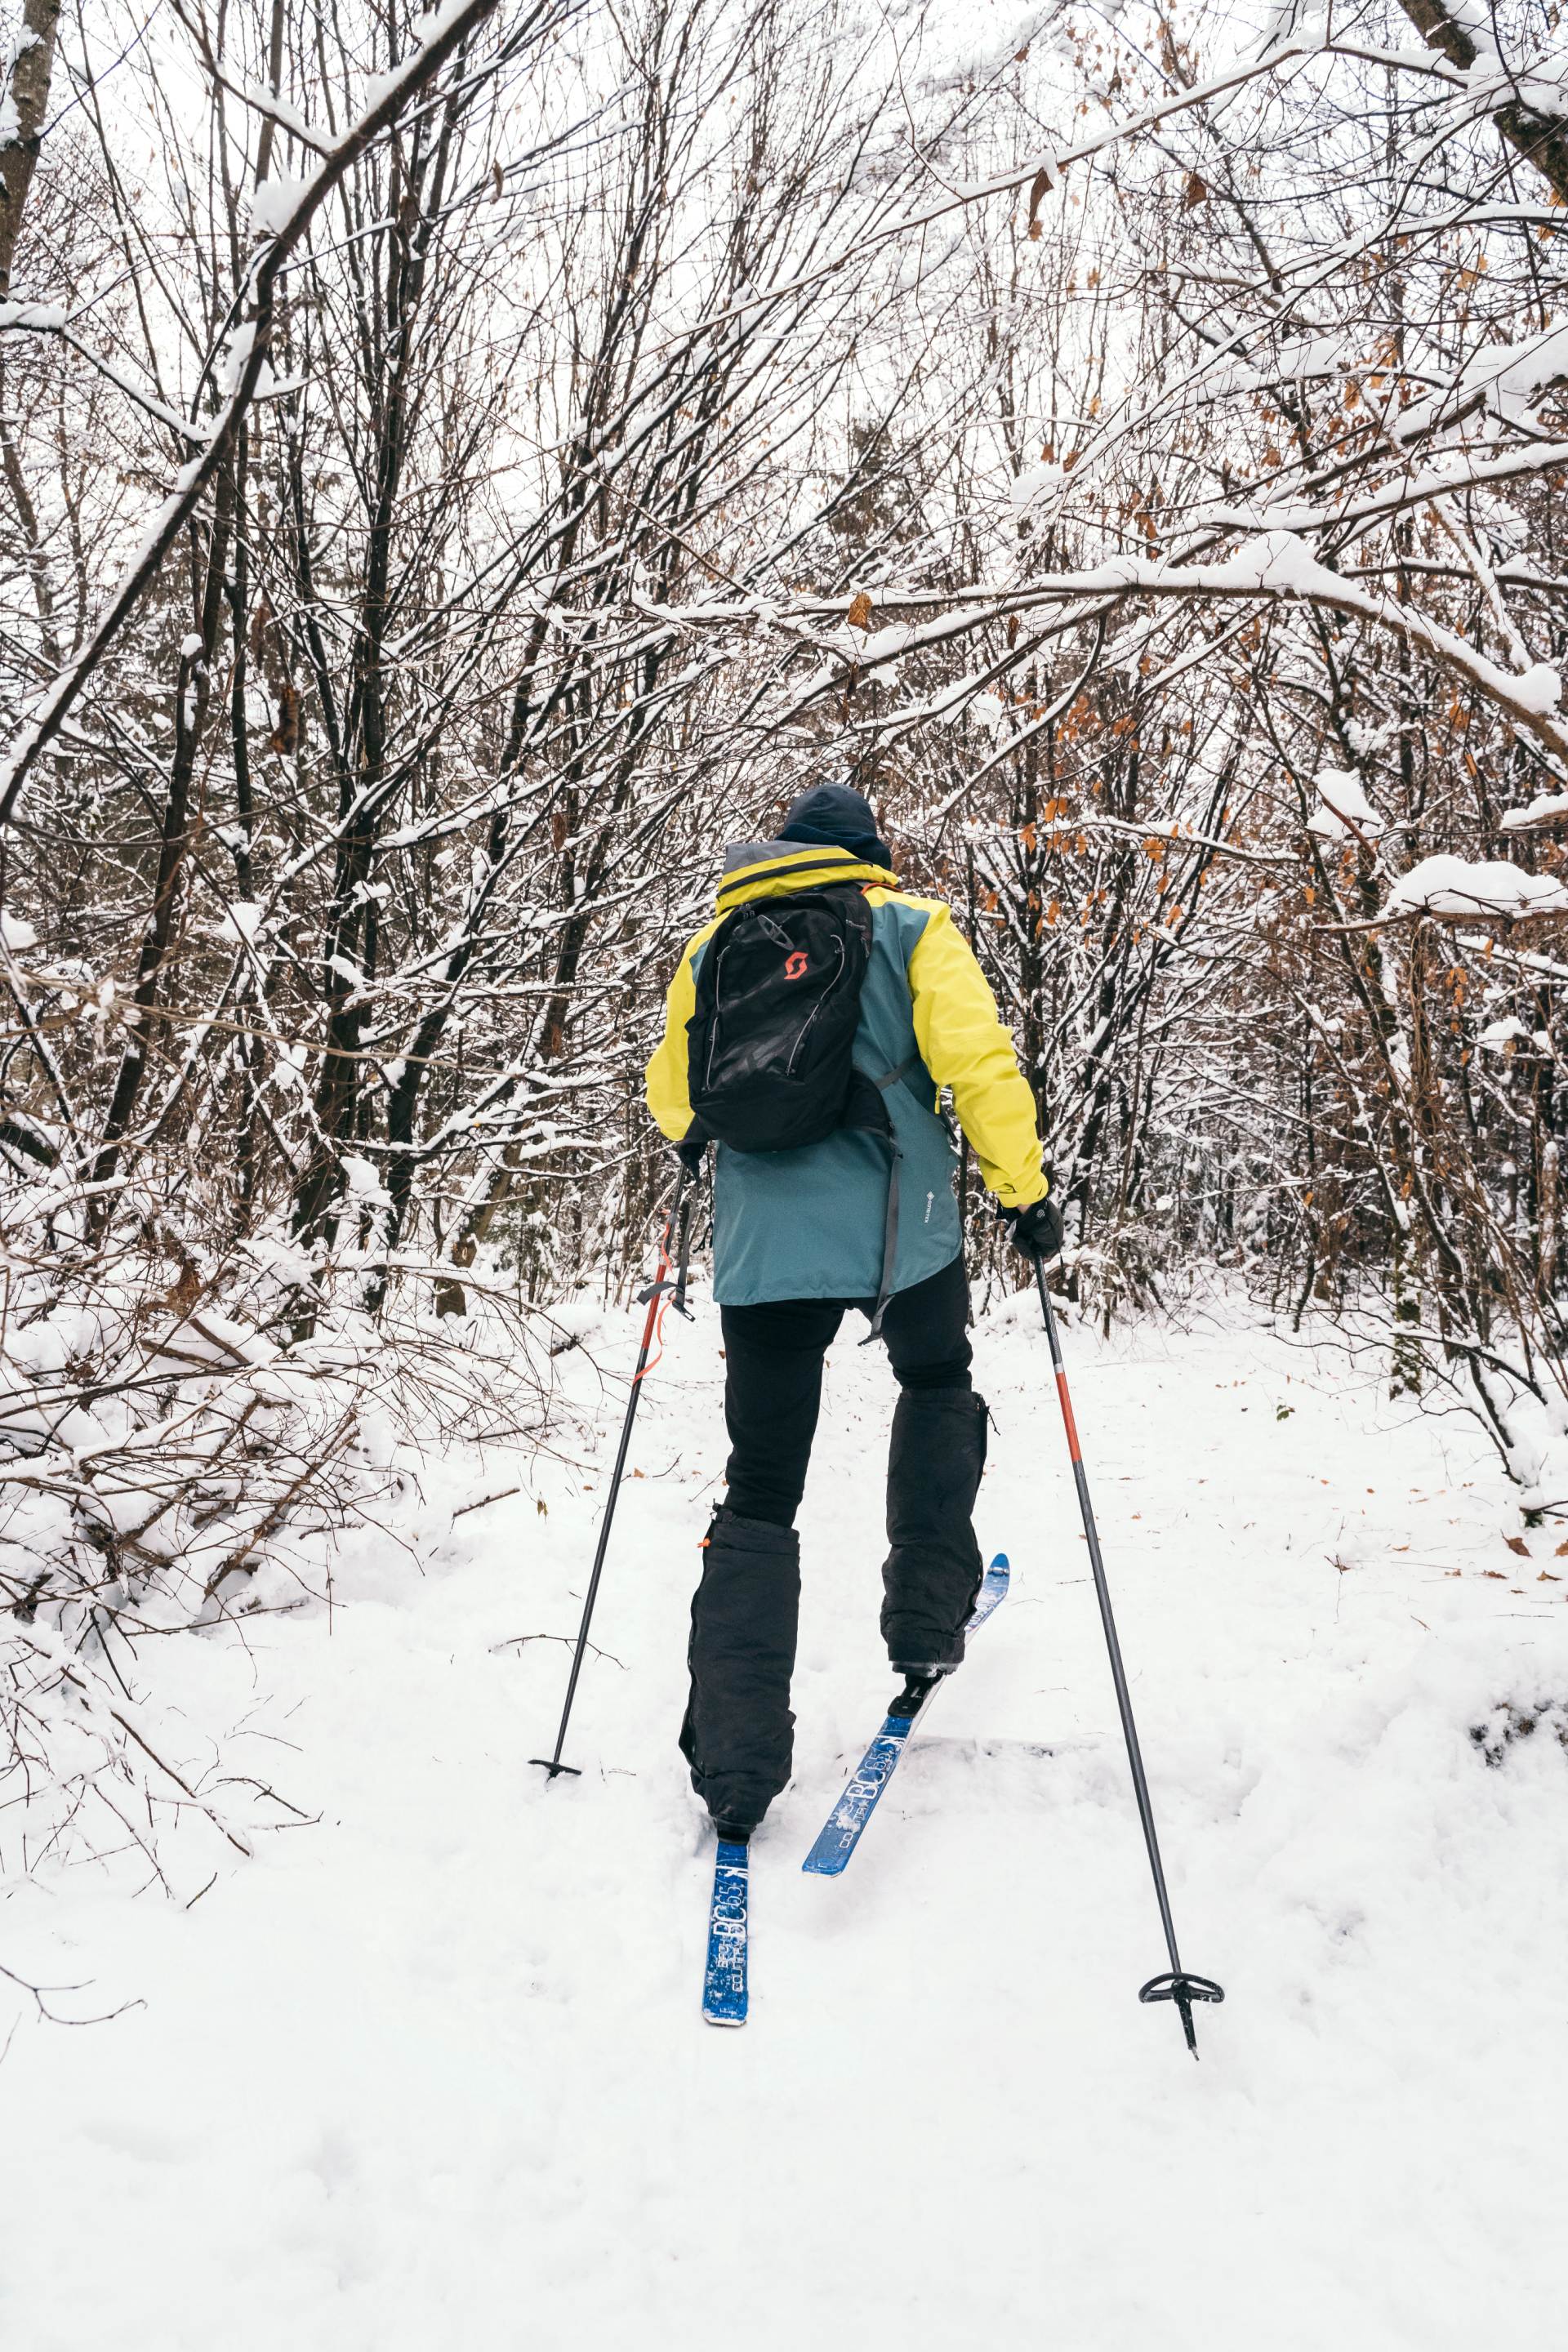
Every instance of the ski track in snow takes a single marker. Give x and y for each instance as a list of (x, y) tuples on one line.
[(431, 2077)]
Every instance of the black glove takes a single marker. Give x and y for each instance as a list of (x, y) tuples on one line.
[(690, 1151), (1037, 1229)]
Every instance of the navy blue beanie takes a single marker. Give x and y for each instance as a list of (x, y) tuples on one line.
[(837, 816)]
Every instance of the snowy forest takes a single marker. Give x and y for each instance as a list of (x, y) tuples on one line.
[(463, 469)]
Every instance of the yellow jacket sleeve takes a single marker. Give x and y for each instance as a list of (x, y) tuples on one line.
[(665, 1085), (964, 1046)]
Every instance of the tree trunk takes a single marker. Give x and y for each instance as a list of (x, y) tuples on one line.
[(29, 95)]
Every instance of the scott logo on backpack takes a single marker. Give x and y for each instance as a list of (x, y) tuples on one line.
[(796, 965)]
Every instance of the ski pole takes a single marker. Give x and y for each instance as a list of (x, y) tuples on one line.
[(1176, 1985), (678, 1223)]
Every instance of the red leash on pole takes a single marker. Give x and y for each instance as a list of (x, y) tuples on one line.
[(661, 1292)]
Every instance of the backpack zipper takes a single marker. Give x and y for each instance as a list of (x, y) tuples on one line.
[(781, 938), (713, 1040), (800, 1041)]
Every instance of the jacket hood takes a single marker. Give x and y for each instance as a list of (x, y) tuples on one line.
[(770, 869)]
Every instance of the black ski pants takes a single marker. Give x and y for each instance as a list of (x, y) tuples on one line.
[(773, 1383), (738, 1733)]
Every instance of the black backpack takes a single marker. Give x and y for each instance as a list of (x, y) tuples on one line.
[(770, 1047)]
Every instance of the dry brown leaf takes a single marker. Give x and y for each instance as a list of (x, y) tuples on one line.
[(1195, 193), (285, 736), (186, 1291), (859, 615), (1518, 1544)]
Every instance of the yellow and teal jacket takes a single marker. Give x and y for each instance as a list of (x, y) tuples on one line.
[(810, 1223)]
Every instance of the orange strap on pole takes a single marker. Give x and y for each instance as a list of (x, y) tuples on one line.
[(657, 1297)]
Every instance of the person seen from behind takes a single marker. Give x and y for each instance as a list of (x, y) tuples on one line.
[(810, 1029)]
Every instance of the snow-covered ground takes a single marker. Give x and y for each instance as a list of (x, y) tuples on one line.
[(430, 2077)]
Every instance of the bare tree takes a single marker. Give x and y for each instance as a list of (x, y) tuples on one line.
[(26, 103)]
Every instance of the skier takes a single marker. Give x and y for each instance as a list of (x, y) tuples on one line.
[(865, 1216)]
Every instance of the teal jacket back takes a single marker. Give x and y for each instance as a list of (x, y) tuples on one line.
[(810, 1223)]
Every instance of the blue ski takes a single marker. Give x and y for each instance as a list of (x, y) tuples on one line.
[(841, 1833), (724, 1982)]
